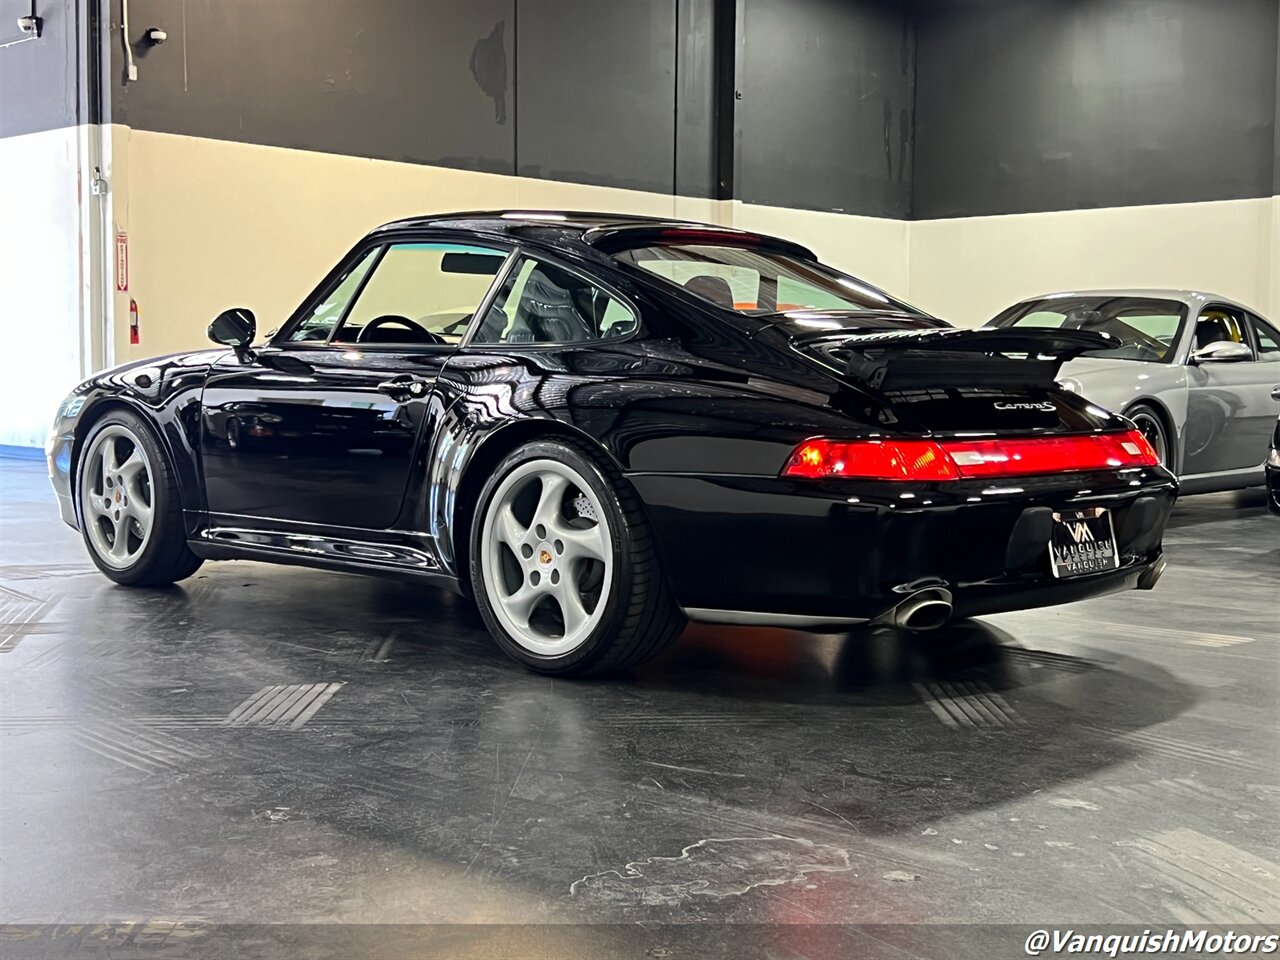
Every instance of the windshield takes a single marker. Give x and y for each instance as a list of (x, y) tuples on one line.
[(1148, 329), (759, 282)]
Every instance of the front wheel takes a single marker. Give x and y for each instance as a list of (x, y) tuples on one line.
[(563, 564), (127, 500)]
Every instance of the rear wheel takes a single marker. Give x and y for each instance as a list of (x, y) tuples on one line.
[(563, 566), (1150, 424), (127, 499)]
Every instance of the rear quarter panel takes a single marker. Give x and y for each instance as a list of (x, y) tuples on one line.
[(1117, 385)]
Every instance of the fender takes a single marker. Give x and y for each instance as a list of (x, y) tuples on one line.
[(164, 391)]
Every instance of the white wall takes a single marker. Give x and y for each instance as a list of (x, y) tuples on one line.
[(41, 276), (969, 269)]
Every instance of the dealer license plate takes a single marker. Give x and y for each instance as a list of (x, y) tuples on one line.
[(1082, 542)]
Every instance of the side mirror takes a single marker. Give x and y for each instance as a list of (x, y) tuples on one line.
[(1222, 351), (235, 328)]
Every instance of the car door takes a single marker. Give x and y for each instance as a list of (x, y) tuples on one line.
[(1229, 407), (322, 426), (1266, 344)]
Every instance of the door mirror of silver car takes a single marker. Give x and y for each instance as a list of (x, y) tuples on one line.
[(235, 328), (1222, 351)]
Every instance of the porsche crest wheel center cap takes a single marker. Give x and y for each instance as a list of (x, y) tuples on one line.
[(545, 556)]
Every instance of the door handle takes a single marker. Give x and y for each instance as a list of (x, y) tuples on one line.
[(404, 388), (1275, 392)]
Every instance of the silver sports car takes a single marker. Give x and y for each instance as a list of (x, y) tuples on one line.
[(1199, 374)]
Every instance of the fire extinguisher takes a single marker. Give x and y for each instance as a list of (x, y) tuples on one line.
[(133, 320)]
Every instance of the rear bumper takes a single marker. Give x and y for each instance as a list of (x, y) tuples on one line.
[(768, 550)]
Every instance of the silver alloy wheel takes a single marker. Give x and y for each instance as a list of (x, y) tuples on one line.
[(546, 557), (1150, 428), (116, 496)]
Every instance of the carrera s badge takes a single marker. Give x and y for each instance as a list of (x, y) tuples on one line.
[(1044, 407)]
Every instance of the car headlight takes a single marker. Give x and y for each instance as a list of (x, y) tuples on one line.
[(1273, 458), (1070, 385)]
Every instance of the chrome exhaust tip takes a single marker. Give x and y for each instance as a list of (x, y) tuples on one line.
[(1148, 578), (926, 610)]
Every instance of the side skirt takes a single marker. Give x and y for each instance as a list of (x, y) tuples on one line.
[(1222, 480), (321, 552)]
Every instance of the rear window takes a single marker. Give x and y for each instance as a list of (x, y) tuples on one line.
[(1148, 329), (759, 282)]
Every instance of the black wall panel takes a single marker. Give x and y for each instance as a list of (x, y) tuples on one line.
[(597, 92), (896, 108), (825, 119), (1275, 170), (695, 160), (1024, 106), (38, 88), (428, 82)]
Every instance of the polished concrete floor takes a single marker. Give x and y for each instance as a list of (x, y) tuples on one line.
[(273, 745)]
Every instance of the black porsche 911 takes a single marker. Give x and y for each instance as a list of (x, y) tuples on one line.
[(601, 426)]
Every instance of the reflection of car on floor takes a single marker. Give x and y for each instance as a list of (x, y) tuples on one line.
[(1194, 371), (600, 426)]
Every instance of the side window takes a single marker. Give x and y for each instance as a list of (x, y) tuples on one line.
[(326, 317), (796, 294), (727, 286), (1217, 324), (543, 303), (1267, 338), (420, 293)]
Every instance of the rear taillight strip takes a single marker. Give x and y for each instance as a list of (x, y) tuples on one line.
[(934, 460)]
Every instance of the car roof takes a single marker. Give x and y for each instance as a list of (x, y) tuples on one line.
[(595, 230), (1193, 298)]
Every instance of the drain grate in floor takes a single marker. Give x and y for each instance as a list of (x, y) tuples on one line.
[(282, 705)]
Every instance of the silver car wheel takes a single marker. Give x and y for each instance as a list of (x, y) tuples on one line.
[(546, 557), (116, 496), (1153, 430)]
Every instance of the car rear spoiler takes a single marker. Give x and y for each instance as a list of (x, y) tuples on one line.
[(985, 357)]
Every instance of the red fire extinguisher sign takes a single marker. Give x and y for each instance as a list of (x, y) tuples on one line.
[(122, 261)]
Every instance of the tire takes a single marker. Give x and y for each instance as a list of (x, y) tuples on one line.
[(1151, 424), (555, 521), (138, 499)]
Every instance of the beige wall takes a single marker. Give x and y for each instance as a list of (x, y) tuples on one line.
[(870, 248), (214, 224), (967, 270)]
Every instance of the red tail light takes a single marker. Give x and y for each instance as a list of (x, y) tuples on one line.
[(932, 460), (871, 460)]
